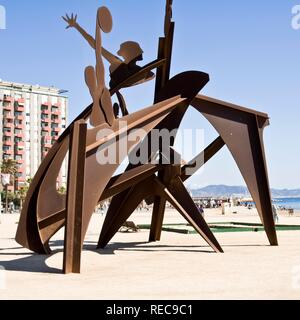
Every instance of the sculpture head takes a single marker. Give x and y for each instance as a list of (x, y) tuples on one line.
[(130, 51), (104, 19)]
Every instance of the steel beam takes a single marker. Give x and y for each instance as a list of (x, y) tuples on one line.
[(75, 199)]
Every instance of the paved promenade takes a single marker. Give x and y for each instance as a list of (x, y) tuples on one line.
[(178, 267)]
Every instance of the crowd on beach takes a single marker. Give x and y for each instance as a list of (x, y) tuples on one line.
[(202, 205)]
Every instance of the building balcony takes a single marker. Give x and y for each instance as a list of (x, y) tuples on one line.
[(56, 121), (45, 120), (57, 130), (21, 169), (47, 145), (19, 108), (19, 152), (46, 130), (19, 126), (56, 112), (46, 103), (8, 143), (20, 118), (7, 134), (8, 116), (44, 154), (55, 137), (8, 125), (8, 98), (21, 102), (19, 135), (20, 143), (19, 161), (20, 179), (46, 112), (46, 139), (7, 107), (8, 152)]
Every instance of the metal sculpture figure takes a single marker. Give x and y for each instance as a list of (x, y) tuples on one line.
[(120, 70), (89, 182)]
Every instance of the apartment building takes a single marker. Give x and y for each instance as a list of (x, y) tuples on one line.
[(31, 120)]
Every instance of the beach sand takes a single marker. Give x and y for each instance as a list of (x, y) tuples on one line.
[(178, 267)]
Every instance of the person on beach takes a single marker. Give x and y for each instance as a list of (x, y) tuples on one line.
[(201, 210), (102, 210), (275, 213)]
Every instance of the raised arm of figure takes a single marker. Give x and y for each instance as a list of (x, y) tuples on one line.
[(72, 23)]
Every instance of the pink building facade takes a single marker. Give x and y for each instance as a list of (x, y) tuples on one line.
[(31, 120)]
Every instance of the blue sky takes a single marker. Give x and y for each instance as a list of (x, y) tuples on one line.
[(248, 48)]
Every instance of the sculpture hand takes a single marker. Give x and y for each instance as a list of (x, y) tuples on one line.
[(72, 21)]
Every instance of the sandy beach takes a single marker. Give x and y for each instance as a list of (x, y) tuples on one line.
[(179, 267)]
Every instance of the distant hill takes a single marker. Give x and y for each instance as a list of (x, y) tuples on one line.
[(285, 193), (239, 191)]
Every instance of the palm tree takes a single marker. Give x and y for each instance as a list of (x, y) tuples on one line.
[(62, 190), (23, 192), (8, 166)]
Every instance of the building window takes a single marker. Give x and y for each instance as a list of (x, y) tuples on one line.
[(6, 113)]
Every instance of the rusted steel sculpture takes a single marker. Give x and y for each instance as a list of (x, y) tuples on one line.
[(89, 182)]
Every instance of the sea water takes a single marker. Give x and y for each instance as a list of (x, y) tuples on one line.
[(288, 203)]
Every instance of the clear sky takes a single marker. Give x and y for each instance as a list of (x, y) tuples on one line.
[(248, 47)]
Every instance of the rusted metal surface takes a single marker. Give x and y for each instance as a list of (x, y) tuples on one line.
[(75, 199), (89, 182), (242, 131)]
